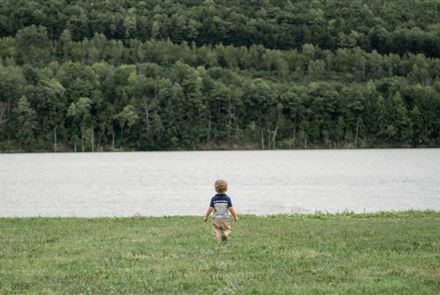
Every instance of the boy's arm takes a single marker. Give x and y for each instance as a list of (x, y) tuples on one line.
[(208, 212), (234, 215)]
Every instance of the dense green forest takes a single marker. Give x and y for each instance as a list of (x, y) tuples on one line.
[(160, 75)]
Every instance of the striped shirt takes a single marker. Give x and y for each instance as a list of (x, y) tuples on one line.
[(221, 203)]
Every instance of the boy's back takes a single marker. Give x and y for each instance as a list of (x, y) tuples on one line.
[(221, 203)]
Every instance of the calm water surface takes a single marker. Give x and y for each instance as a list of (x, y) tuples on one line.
[(180, 183)]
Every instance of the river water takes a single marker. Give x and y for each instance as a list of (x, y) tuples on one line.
[(181, 183)]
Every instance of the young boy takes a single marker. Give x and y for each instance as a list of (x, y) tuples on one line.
[(221, 204)]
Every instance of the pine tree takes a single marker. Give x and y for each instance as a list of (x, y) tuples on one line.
[(26, 124)]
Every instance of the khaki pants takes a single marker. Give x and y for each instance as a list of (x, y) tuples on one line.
[(221, 227)]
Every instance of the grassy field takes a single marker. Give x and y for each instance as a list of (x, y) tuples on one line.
[(384, 253)]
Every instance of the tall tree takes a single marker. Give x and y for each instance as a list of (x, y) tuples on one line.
[(80, 113), (25, 124), (33, 45)]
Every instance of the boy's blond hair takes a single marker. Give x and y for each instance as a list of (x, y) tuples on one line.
[(221, 186)]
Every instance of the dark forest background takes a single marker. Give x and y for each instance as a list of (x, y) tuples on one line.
[(162, 75)]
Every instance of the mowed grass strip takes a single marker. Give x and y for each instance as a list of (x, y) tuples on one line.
[(384, 253)]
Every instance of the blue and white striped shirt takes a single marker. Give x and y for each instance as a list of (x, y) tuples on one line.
[(221, 203)]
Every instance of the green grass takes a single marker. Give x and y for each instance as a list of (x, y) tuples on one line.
[(384, 253)]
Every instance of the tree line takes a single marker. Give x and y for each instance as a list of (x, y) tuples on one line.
[(64, 91), (387, 26)]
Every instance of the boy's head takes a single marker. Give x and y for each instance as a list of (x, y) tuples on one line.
[(221, 186)]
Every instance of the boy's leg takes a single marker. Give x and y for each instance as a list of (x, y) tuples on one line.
[(226, 229), (217, 231)]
